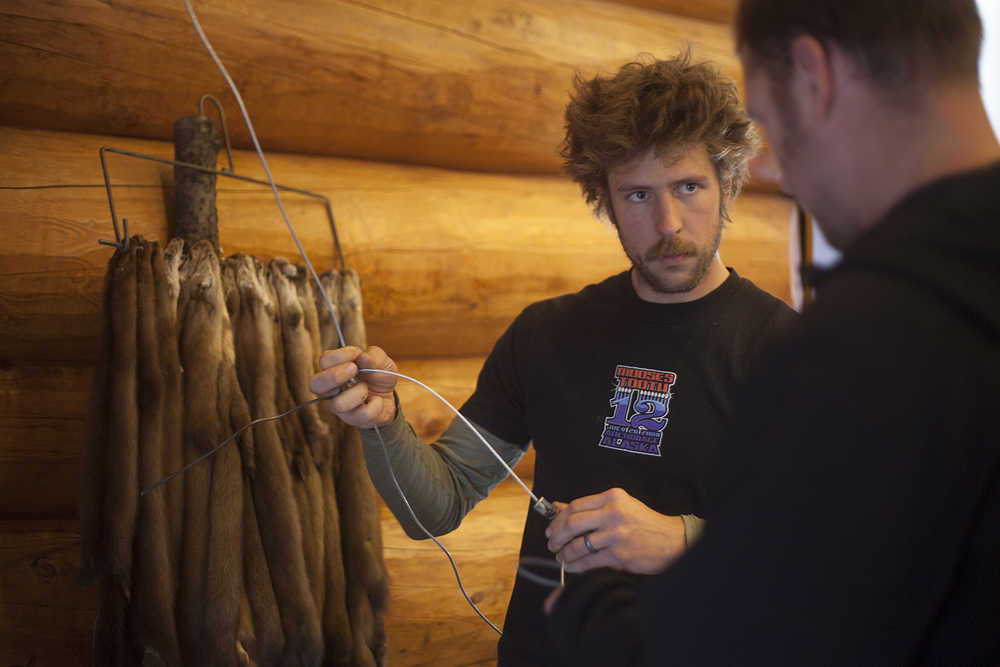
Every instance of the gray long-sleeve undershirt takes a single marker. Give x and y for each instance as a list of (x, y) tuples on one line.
[(443, 481)]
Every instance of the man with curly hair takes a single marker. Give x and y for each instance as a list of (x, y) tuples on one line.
[(623, 388)]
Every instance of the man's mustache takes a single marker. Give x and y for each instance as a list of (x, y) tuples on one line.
[(674, 246)]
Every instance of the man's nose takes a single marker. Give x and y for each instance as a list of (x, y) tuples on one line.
[(667, 216)]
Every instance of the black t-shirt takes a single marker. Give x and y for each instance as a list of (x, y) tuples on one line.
[(614, 391)]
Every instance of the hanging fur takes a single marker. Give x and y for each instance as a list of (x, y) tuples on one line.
[(201, 308), (367, 579), (261, 373), (168, 286), (122, 481), (152, 606), (337, 633), (244, 559), (250, 312), (298, 354)]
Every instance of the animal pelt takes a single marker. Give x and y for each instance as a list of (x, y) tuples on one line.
[(367, 578), (251, 317), (337, 633), (121, 456), (300, 334), (152, 605), (168, 285), (260, 367), (201, 309), (313, 435), (268, 552), (224, 566), (328, 337)]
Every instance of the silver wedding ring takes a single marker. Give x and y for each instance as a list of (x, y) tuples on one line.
[(586, 543)]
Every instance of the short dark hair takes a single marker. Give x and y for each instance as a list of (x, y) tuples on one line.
[(895, 43), (656, 104)]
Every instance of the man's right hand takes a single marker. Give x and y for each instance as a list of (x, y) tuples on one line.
[(367, 403)]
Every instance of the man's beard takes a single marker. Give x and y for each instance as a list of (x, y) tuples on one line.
[(674, 284)]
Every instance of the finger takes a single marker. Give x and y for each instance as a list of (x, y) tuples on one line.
[(340, 355), (604, 558), (366, 414), (559, 507), (576, 549), (577, 558), (349, 399), (333, 378), (569, 525), (375, 359)]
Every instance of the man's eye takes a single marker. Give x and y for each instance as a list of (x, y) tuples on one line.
[(689, 188), (638, 195)]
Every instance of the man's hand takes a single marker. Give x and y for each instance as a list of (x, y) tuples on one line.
[(623, 534), (367, 403)]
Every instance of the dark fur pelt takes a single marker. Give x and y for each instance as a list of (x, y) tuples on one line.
[(154, 580), (267, 553), (367, 578)]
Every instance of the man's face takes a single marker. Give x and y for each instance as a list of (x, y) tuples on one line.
[(667, 211), (777, 116), (808, 167)]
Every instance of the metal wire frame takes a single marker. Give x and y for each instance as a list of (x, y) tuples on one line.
[(121, 237)]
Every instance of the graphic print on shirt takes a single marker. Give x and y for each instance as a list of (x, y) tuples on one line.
[(639, 402)]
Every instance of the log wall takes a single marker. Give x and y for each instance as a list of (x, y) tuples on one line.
[(477, 86), (431, 128)]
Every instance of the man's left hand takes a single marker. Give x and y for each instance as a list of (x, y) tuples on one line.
[(623, 534)]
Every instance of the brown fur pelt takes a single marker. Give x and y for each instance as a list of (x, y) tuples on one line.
[(201, 309), (151, 610), (260, 367), (337, 632), (367, 578), (121, 462), (267, 553), (250, 312), (224, 564), (168, 285), (298, 357)]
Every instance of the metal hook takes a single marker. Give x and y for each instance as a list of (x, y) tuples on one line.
[(120, 244), (222, 121)]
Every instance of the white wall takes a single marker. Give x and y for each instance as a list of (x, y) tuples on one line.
[(989, 61)]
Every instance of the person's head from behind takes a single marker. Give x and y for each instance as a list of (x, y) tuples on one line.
[(825, 78), (661, 147)]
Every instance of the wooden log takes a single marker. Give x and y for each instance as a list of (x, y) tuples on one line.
[(48, 616), (719, 11), (477, 85), (448, 259), (196, 141)]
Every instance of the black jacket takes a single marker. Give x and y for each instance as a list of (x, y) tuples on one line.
[(856, 515)]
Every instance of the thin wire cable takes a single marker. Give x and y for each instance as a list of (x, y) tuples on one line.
[(215, 450), (267, 169), (465, 421), (454, 568), (535, 561)]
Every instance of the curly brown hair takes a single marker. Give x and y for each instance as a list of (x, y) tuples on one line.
[(656, 104)]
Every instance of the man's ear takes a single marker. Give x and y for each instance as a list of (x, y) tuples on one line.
[(812, 83)]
